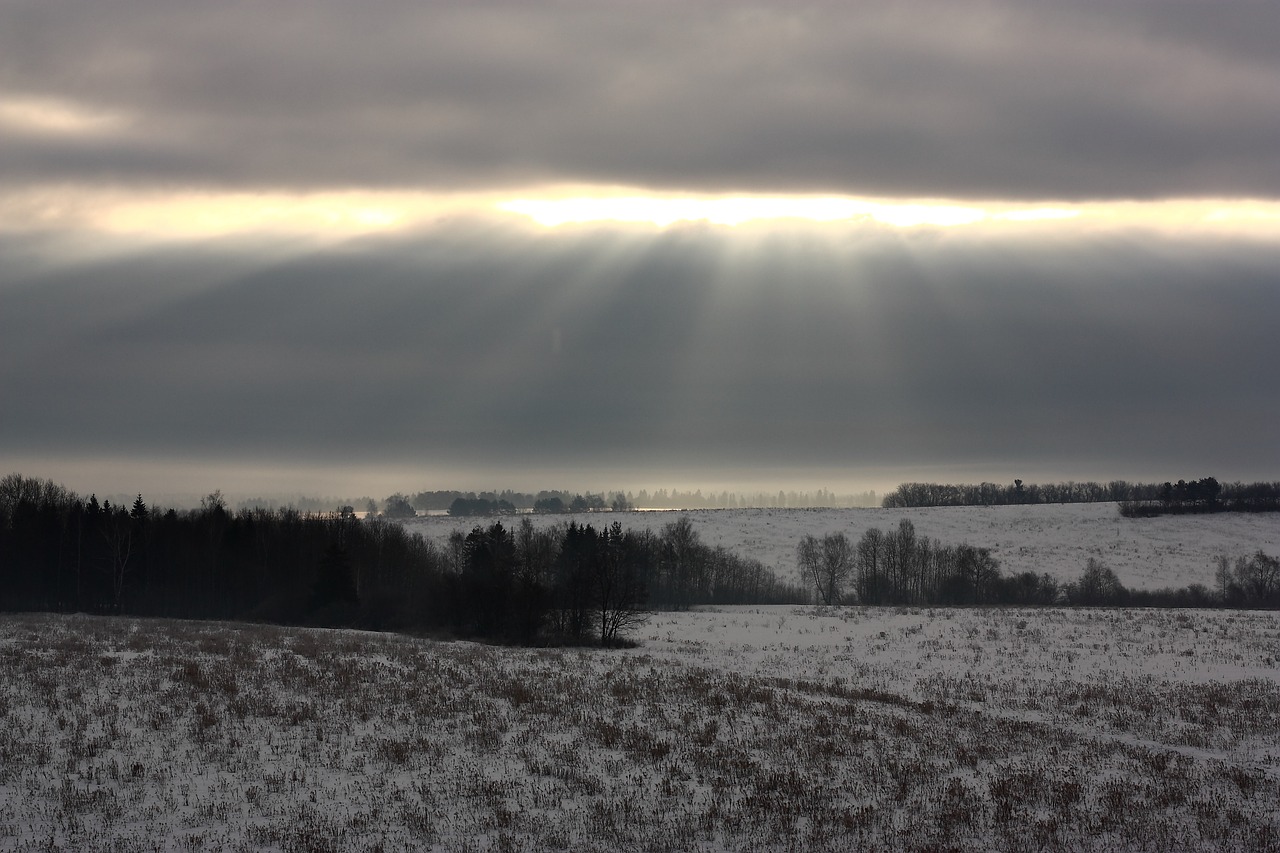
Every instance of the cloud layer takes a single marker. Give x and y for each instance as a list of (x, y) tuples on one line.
[(243, 235), (1162, 98)]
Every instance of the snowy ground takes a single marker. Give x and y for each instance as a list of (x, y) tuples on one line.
[(779, 728), (1146, 553)]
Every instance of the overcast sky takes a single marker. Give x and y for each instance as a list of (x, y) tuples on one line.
[(307, 246)]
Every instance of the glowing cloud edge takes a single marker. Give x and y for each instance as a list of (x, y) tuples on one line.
[(201, 213)]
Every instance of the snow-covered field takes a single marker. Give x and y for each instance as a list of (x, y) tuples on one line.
[(780, 728), (1148, 553)]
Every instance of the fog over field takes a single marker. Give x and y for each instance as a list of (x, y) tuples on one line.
[(1058, 539)]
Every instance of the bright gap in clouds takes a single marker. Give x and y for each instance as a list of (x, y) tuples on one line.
[(739, 210), (337, 214), (661, 211)]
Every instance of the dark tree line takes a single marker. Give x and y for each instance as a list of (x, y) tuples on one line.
[(1204, 495), (59, 552), (994, 494), (566, 501), (1207, 495), (481, 506), (509, 502), (491, 504), (581, 503), (696, 499), (1247, 582)]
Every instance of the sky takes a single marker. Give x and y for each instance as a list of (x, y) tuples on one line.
[(337, 248)]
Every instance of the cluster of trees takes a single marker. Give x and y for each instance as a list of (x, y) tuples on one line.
[(1252, 581), (901, 567), (1207, 495), (60, 552), (556, 504), (398, 506), (481, 506), (1247, 582), (441, 500), (1204, 495), (690, 572), (573, 584)]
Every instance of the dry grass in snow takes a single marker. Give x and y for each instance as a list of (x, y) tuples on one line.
[(747, 729)]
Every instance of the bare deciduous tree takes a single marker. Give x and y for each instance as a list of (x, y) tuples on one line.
[(827, 563)]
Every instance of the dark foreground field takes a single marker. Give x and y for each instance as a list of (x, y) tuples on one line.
[(752, 729)]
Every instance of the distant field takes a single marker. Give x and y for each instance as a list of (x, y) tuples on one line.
[(1146, 553), (783, 728)]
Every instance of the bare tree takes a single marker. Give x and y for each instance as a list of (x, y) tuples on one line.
[(827, 563), (1098, 585), (871, 558), (1259, 577), (1223, 578), (684, 559), (900, 560), (620, 585)]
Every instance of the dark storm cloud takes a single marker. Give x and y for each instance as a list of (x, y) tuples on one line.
[(998, 99), (694, 349)]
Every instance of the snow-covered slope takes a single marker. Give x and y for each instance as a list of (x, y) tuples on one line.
[(748, 728)]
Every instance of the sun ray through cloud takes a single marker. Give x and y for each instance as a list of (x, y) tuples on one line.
[(700, 238)]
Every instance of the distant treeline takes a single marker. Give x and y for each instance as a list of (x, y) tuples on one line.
[(1204, 495), (506, 501), (819, 499), (568, 583), (545, 504), (1207, 495), (470, 503), (902, 568)]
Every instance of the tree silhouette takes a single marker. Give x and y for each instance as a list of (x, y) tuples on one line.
[(335, 580)]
